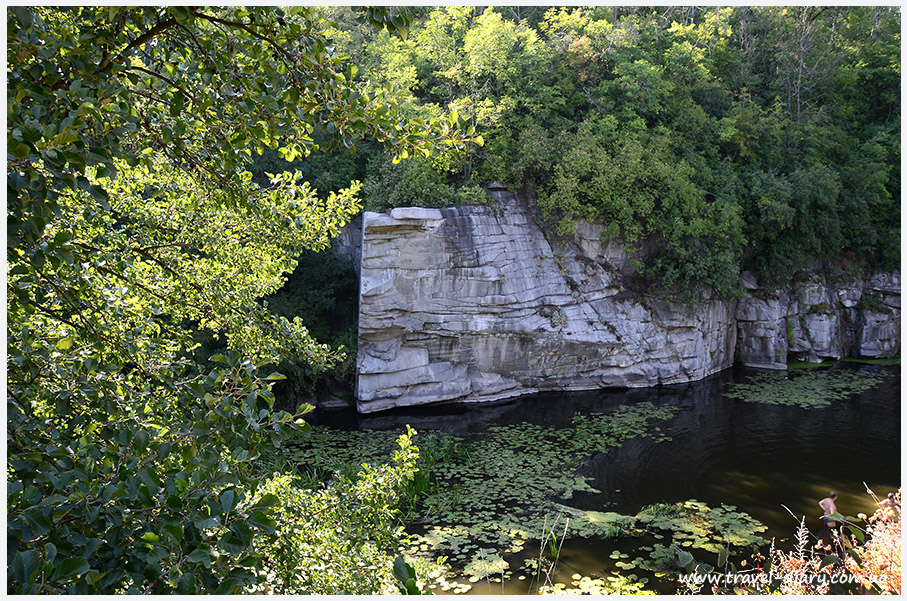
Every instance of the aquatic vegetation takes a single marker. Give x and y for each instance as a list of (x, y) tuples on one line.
[(688, 525), (509, 484), (484, 504), (486, 563), (551, 537), (657, 510), (606, 524), (491, 496), (896, 360), (661, 559), (814, 388), (691, 524), (699, 526), (616, 584)]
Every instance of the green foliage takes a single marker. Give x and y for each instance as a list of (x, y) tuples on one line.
[(483, 501), (141, 500), (872, 302), (413, 183), (339, 537), (326, 172), (638, 184), (323, 292), (507, 487), (695, 525), (113, 429), (416, 183), (471, 194), (131, 223), (715, 139), (406, 578)]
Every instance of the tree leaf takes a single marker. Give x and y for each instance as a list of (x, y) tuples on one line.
[(267, 500), (25, 567), (200, 555), (228, 500), (829, 560), (70, 567), (260, 520)]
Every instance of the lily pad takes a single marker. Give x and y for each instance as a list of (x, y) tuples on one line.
[(809, 389)]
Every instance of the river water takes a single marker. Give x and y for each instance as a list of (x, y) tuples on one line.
[(773, 462)]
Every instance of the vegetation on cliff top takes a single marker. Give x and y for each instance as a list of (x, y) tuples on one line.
[(719, 138), (133, 225)]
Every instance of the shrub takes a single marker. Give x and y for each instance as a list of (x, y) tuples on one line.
[(340, 537), (410, 183), (879, 565), (869, 556)]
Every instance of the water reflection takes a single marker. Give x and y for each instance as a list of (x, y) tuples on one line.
[(773, 462)]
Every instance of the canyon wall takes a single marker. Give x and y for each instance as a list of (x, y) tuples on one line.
[(815, 321), (473, 303)]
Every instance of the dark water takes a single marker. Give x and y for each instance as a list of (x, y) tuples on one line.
[(762, 458)]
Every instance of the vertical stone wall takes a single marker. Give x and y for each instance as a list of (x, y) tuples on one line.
[(474, 304), (815, 321)]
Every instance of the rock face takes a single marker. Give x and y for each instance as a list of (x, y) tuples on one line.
[(814, 322), (474, 304)]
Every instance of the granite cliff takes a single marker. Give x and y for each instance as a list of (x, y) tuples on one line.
[(815, 321)]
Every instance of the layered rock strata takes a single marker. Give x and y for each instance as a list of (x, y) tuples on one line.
[(474, 304), (814, 321)]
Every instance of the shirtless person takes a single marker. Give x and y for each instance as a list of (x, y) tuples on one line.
[(828, 506), (889, 507), (889, 503)]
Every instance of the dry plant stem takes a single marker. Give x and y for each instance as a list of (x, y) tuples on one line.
[(542, 543), (801, 520), (502, 575), (548, 581), (871, 494)]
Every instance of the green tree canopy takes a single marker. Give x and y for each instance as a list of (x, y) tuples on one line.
[(763, 138), (131, 223)]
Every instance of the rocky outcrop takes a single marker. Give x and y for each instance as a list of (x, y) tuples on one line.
[(816, 321), (474, 304)]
